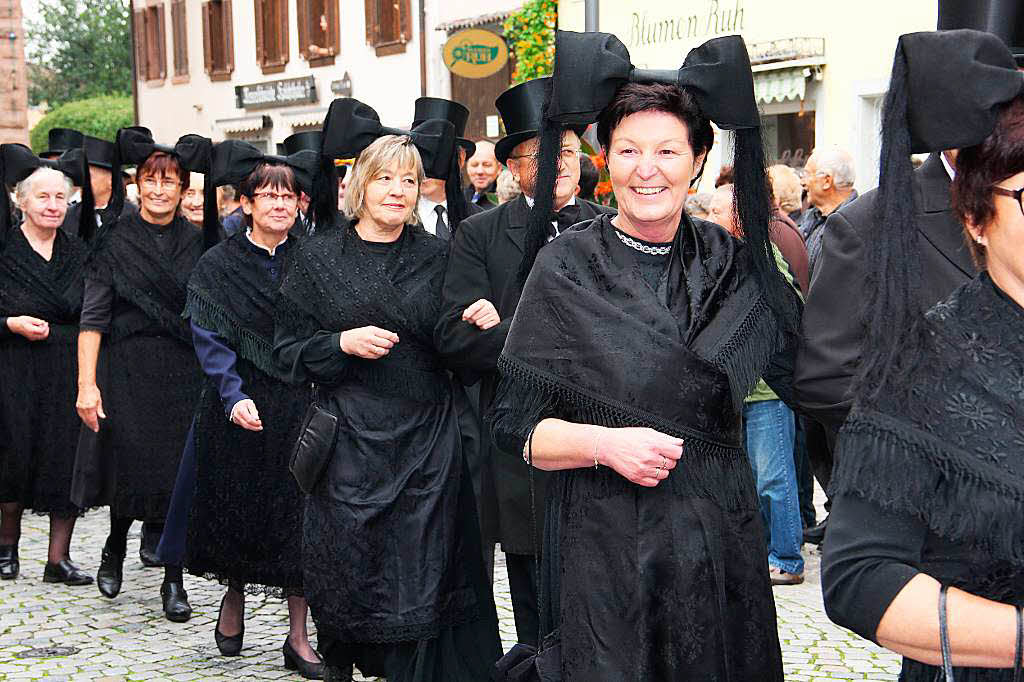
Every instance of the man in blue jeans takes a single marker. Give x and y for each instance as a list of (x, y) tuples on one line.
[(770, 434)]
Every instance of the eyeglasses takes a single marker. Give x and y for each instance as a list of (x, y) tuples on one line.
[(1017, 194), (288, 199), (150, 182), (566, 154)]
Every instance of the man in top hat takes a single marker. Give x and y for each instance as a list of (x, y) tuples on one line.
[(832, 326), (100, 154), (60, 140), (481, 292)]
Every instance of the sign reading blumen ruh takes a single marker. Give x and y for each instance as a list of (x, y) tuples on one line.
[(475, 53)]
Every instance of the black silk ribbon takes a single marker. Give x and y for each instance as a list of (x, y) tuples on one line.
[(193, 151), (235, 160), (20, 162), (590, 67), (351, 127), (956, 82)]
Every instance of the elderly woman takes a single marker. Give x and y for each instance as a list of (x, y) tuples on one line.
[(925, 550), (392, 563), (40, 298), (635, 342), (134, 295), (245, 527), (788, 190), (192, 200)]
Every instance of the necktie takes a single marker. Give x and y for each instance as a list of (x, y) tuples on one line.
[(565, 218), (441, 230)]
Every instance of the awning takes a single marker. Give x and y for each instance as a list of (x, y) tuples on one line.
[(244, 124), (781, 85), (479, 20), (304, 119)]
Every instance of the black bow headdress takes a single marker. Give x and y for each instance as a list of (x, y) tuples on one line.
[(589, 70), (946, 91), (134, 145), (19, 162), (351, 127), (235, 160)]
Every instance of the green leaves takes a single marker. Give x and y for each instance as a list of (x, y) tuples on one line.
[(79, 50), (530, 34), (99, 117)]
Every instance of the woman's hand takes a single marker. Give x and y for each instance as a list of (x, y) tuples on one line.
[(370, 343), (32, 328), (245, 415), (482, 313), (90, 406), (641, 455)]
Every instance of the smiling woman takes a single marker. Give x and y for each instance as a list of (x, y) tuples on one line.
[(384, 188)]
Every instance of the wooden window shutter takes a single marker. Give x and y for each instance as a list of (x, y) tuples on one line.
[(228, 34), (372, 31), (285, 34), (302, 14), (404, 20), (141, 65), (161, 32), (260, 52), (207, 38), (334, 25), (179, 34)]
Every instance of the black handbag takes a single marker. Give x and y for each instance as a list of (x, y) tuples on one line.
[(314, 446)]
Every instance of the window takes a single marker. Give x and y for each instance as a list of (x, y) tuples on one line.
[(318, 31), (272, 34), (388, 25), (179, 32), (150, 46), (218, 39)]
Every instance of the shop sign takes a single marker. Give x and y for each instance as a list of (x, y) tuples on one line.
[(276, 93), (475, 53), (700, 21)]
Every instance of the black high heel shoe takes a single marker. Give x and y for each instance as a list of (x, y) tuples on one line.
[(292, 661), (228, 646)]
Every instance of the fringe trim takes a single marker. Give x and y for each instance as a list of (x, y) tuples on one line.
[(745, 354), (171, 322), (957, 494), (250, 345)]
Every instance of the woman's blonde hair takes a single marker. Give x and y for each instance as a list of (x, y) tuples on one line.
[(383, 152), (786, 187)]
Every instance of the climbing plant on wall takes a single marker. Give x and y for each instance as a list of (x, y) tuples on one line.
[(530, 34)]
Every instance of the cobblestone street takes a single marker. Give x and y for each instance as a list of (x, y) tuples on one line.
[(73, 633)]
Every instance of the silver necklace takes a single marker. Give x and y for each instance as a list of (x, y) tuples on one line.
[(643, 248)]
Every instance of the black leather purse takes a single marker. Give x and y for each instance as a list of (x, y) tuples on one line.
[(314, 446)]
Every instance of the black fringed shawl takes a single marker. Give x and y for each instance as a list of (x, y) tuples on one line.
[(231, 292), (944, 444), (155, 282), (52, 291)]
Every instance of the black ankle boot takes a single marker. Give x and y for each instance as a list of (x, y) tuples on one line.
[(65, 572), (9, 564), (110, 573), (175, 598)]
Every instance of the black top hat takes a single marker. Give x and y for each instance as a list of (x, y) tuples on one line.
[(298, 142), (1003, 18), (99, 152), (62, 139), (435, 107), (520, 107)]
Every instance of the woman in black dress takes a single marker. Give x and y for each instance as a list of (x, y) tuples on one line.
[(245, 527), (40, 299), (634, 344), (392, 563), (925, 547), (134, 296)]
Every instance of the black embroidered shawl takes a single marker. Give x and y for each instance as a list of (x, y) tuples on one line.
[(944, 446), (52, 291), (231, 292), (141, 273)]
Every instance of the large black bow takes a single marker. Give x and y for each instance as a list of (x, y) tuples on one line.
[(193, 151), (956, 81), (351, 126), (18, 162), (235, 160), (590, 67)]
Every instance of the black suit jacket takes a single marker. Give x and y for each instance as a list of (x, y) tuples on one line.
[(832, 344), (483, 201), (483, 263)]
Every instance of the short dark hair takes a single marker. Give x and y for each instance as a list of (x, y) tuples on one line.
[(633, 98), (726, 176), (272, 175), (981, 167), (160, 165), (588, 178)]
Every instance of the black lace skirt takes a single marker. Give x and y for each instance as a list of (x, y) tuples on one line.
[(246, 519), (661, 584), (39, 426), (154, 383)]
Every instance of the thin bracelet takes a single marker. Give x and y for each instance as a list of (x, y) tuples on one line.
[(597, 438)]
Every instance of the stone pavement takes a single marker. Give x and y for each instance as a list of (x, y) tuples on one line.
[(73, 633)]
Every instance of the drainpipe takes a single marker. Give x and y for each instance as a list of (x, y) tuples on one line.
[(135, 75), (591, 11), (423, 48)]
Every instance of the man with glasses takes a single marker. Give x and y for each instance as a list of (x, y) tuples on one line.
[(481, 293)]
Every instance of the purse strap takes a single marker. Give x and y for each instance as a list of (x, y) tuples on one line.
[(947, 655), (533, 535)]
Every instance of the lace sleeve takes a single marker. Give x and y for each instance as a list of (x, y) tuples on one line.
[(517, 408)]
